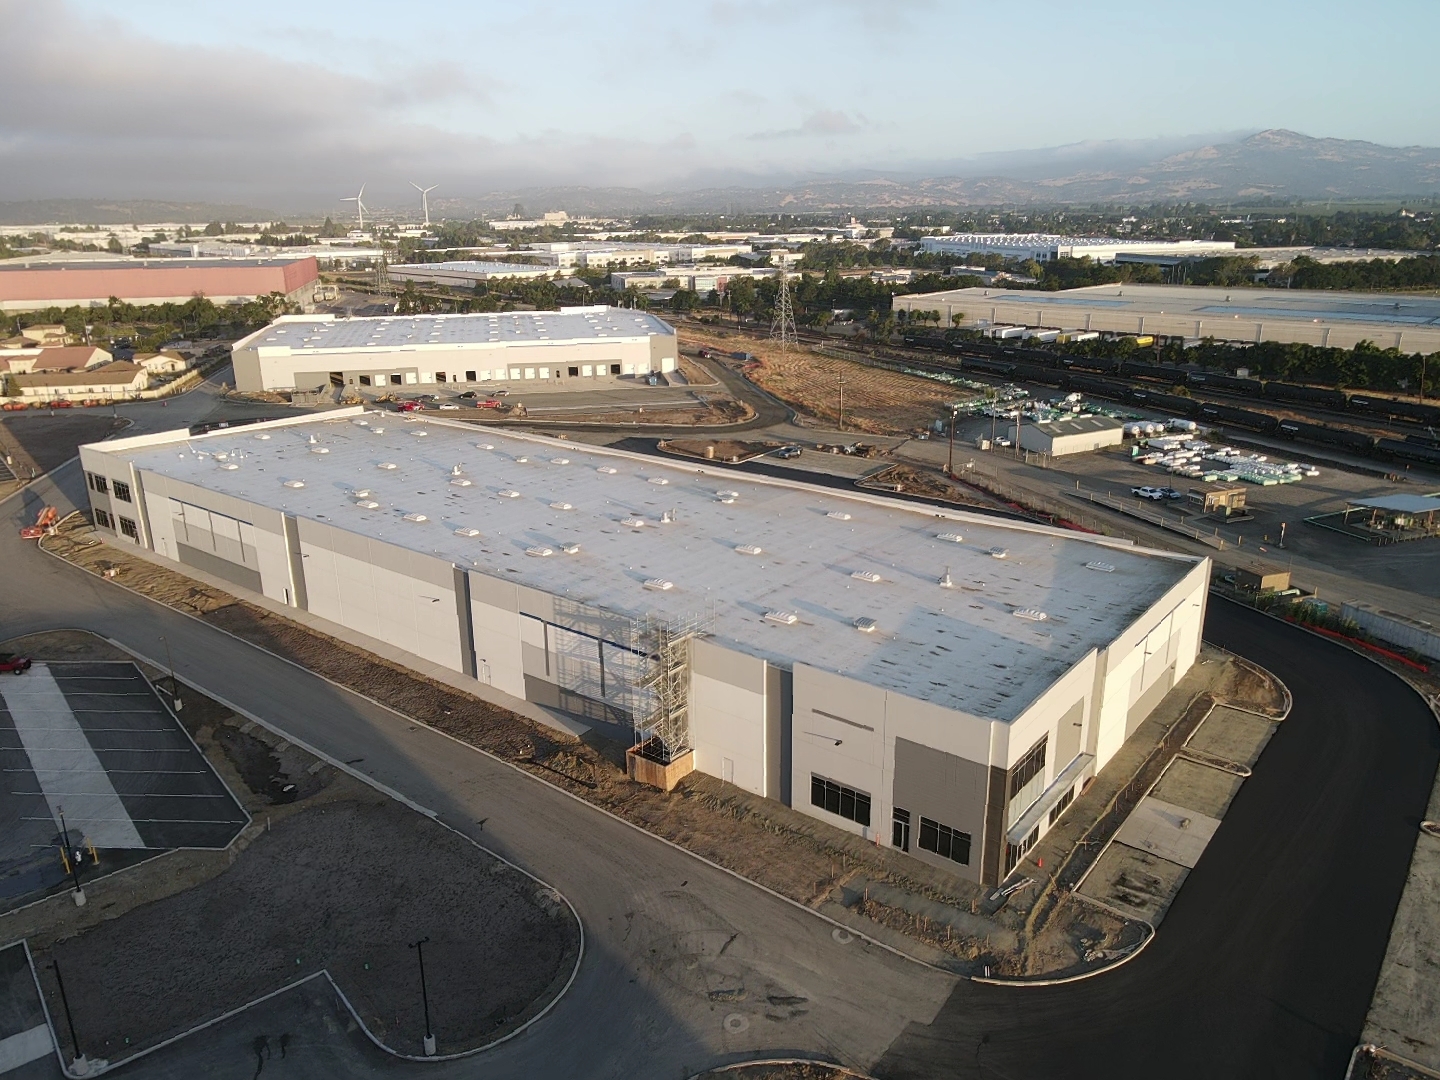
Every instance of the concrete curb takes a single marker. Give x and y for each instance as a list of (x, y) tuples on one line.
[(409, 803), (843, 1070), (499, 760)]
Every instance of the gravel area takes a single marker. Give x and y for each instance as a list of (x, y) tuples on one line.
[(343, 887)]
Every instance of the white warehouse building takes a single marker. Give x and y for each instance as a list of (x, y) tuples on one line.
[(937, 681), (1045, 247), (301, 352)]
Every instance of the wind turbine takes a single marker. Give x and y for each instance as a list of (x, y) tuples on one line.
[(425, 198), (359, 205)]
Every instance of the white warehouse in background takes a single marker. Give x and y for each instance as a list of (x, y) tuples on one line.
[(301, 352), (940, 682), (1046, 247)]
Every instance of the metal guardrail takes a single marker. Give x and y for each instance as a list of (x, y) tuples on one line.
[(1105, 499)]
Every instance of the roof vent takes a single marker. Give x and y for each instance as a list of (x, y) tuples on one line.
[(387, 465), (319, 449), (378, 430), (456, 470), (658, 481), (522, 459), (368, 504), (946, 582), (633, 522), (1033, 614), (263, 437), (749, 549), (784, 618), (464, 531), (312, 440), (419, 434), (416, 517), (1103, 567), (608, 470), (561, 506), (659, 584), (508, 493), (866, 575), (570, 549), (954, 538), (294, 483), (484, 446), (229, 465), (361, 423), (559, 461), (361, 493), (667, 517), (460, 481), (540, 551), (727, 496), (866, 625), (838, 515), (999, 552)]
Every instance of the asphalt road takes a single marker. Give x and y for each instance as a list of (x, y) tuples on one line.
[(1264, 967), (1266, 963)]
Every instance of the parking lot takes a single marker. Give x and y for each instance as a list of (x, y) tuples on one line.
[(94, 742)]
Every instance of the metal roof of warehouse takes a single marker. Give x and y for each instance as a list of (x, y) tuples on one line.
[(316, 333), (738, 547), (1080, 425), (1399, 504)]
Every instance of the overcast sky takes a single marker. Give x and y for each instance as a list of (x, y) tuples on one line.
[(286, 101)]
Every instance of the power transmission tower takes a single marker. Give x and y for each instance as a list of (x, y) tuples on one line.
[(782, 329), (384, 287)]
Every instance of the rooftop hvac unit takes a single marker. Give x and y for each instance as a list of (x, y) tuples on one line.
[(263, 437), (953, 538), (229, 465), (559, 461), (375, 430), (540, 551), (659, 584), (784, 618), (484, 446), (1103, 567), (419, 434), (749, 549), (866, 625), (608, 470), (1032, 614), (417, 518), (838, 515), (522, 459), (295, 483), (658, 481), (866, 575), (465, 531), (368, 504), (360, 493), (999, 553), (319, 449), (387, 465), (561, 506), (946, 582), (570, 549), (460, 481), (633, 522), (508, 493)]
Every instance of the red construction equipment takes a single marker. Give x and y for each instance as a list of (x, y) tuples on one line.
[(44, 522)]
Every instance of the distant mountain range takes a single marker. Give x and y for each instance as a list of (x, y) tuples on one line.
[(1274, 164)]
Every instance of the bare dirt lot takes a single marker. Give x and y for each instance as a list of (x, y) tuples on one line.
[(878, 402), (330, 876), (731, 450)]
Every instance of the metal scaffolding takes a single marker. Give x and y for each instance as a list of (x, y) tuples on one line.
[(661, 698)]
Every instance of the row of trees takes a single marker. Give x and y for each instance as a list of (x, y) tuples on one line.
[(151, 324)]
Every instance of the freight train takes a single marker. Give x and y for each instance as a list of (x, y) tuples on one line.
[(1086, 375)]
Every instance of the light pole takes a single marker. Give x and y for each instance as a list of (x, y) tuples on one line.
[(419, 947), (174, 685), (840, 422), (72, 859), (70, 1021)]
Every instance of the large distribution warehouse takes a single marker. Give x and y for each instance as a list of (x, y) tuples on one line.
[(937, 681), (27, 286), (540, 347), (1341, 320)]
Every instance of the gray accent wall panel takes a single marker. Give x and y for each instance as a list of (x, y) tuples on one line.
[(779, 724), (944, 788), (297, 564), (717, 662), (221, 568), (463, 614), (493, 591)]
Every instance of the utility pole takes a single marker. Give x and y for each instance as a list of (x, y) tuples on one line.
[(419, 947), (950, 454), (72, 859)]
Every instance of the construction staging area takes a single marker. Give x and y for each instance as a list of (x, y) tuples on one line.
[(536, 349), (940, 682)]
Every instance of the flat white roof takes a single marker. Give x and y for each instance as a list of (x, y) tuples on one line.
[(961, 647), (472, 266), (386, 333)]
